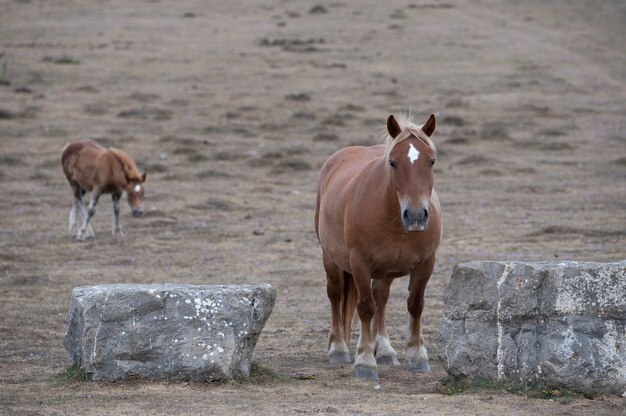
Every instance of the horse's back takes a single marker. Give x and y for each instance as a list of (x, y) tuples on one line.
[(75, 154), (347, 162)]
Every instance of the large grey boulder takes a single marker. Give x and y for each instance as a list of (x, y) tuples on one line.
[(557, 323), (166, 331)]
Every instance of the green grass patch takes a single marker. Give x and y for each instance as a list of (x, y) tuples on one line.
[(452, 386), (63, 60), (318, 9), (71, 375)]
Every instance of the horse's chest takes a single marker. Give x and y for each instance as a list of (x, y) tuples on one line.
[(396, 258)]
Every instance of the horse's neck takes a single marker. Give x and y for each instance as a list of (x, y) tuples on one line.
[(118, 175), (383, 191)]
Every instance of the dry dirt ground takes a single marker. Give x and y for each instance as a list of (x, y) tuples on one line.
[(232, 108)]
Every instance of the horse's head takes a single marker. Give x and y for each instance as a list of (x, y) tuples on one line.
[(410, 158), (135, 190)]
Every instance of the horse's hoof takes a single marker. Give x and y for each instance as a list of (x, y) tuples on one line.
[(387, 360), (367, 373), (419, 367), (339, 357)]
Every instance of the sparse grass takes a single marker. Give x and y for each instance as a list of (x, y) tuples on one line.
[(155, 168), (292, 165), (71, 375), (66, 60), (318, 9), (11, 160), (212, 174), (398, 14), (4, 76), (229, 129), (325, 137), (260, 374), (452, 386), (197, 157), (62, 60)]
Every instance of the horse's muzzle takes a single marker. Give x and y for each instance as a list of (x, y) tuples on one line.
[(137, 212), (415, 220)]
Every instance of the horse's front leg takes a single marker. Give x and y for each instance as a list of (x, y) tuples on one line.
[(365, 363), (91, 210), (416, 354), (117, 226), (385, 354), (74, 210)]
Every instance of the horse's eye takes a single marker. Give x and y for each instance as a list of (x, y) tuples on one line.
[(393, 164), (432, 162)]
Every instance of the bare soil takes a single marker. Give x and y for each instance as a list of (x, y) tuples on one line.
[(232, 108)]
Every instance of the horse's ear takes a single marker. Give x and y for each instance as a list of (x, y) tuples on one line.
[(429, 126), (143, 178), (393, 128)]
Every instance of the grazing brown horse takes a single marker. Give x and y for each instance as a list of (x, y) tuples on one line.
[(378, 218), (90, 167)]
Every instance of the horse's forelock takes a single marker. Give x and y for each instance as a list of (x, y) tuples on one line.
[(407, 129)]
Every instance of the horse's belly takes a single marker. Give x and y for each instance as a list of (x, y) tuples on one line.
[(334, 246)]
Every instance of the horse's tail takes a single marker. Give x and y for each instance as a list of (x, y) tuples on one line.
[(348, 306)]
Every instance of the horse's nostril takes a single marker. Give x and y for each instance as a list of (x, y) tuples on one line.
[(425, 214)]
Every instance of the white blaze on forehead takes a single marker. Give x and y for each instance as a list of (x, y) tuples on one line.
[(137, 188), (414, 154)]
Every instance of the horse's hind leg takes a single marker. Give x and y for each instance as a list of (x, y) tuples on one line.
[(416, 354), (79, 198), (82, 233), (384, 353), (338, 352), (77, 206), (365, 363)]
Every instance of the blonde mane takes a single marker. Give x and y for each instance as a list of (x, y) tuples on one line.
[(128, 164), (408, 129)]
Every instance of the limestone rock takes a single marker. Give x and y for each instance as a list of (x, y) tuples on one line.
[(166, 331), (557, 323)]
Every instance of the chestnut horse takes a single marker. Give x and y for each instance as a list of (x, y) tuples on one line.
[(90, 167), (378, 218)]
